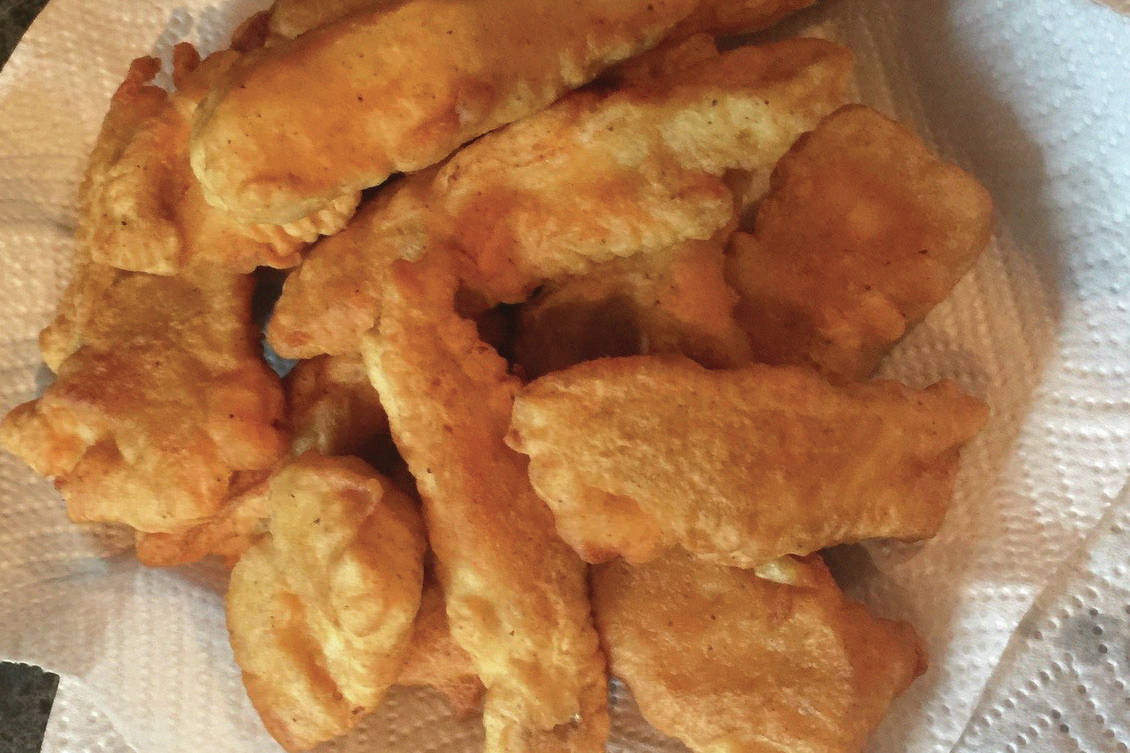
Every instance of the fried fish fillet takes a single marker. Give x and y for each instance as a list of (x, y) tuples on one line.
[(161, 399), (669, 302), (142, 210), (739, 467), (516, 594), (600, 177), (320, 609), (387, 90), (727, 661), (593, 178), (863, 232)]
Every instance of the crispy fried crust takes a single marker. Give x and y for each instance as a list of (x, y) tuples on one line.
[(596, 178), (320, 610), (727, 661), (238, 525), (89, 289), (334, 410), (670, 302), (342, 107), (740, 467), (333, 407), (593, 178), (291, 18), (516, 594), (334, 297), (160, 399), (725, 18), (435, 660), (863, 232), (432, 659), (141, 208), (671, 56)]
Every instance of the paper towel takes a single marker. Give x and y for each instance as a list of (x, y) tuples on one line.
[(1062, 682), (1032, 95)]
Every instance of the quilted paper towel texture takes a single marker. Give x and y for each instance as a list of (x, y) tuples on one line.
[(1030, 94), (1062, 682)]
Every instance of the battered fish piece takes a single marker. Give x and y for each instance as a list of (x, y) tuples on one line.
[(863, 232), (727, 661), (594, 178), (160, 401), (433, 658), (142, 210), (674, 302), (321, 608), (342, 107), (635, 455), (516, 594), (600, 177)]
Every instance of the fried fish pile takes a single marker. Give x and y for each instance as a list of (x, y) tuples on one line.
[(563, 412)]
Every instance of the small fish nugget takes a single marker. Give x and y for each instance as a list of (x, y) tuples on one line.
[(321, 609), (726, 660), (863, 232)]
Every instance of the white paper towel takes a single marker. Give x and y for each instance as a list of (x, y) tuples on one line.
[(1062, 682), (1032, 95)]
